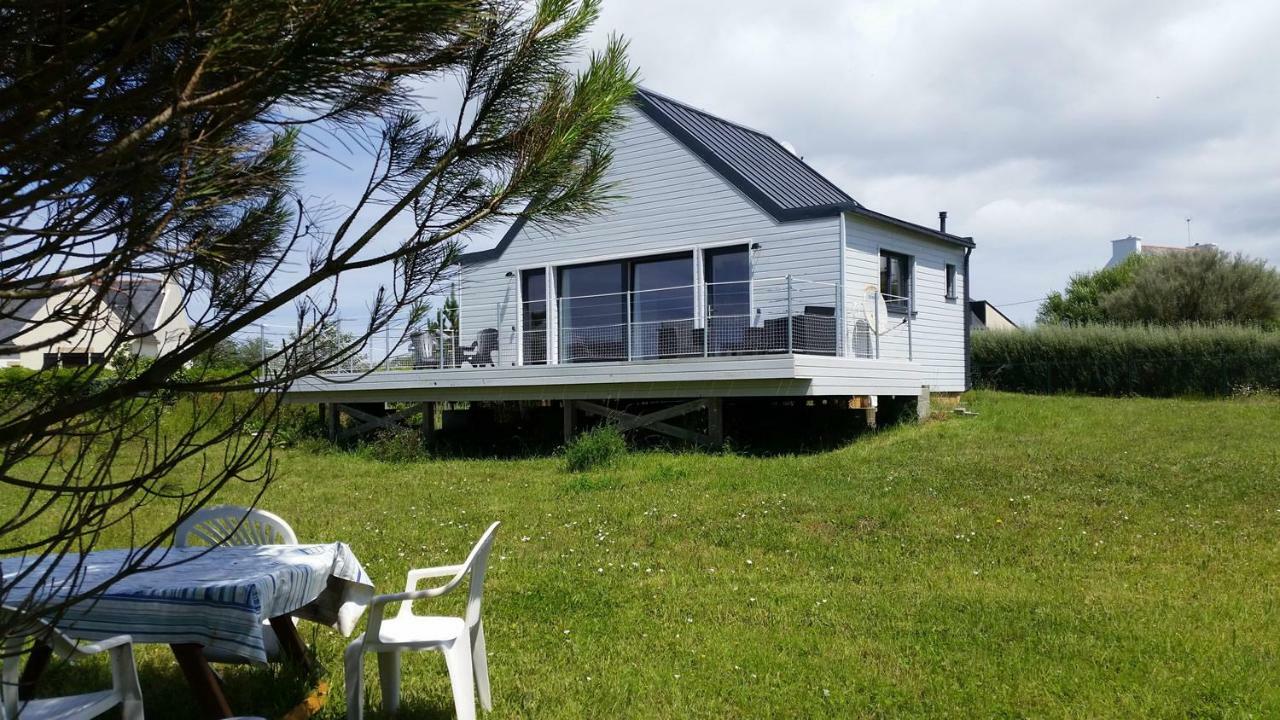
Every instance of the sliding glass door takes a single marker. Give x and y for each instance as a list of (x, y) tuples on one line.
[(728, 275), (593, 312), (662, 307), (628, 309), (533, 310)]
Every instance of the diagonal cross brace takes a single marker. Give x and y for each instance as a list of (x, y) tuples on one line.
[(370, 422), (654, 420)]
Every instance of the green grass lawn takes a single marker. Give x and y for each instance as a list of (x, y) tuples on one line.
[(1050, 558)]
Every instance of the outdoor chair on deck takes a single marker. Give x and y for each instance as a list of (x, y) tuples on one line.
[(483, 348), (125, 691), (461, 639), (234, 525), (422, 349)]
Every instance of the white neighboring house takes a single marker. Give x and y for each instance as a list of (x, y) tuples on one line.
[(1134, 245), (728, 268), (83, 332)]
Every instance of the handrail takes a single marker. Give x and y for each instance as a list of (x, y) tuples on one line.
[(760, 316)]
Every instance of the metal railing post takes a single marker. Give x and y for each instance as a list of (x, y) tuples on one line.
[(876, 311), (911, 355), (706, 328), (790, 320), (440, 339), (337, 328), (842, 342), (628, 339)]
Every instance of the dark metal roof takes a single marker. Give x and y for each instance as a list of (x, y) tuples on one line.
[(15, 316), (759, 166), (137, 303), (768, 174)]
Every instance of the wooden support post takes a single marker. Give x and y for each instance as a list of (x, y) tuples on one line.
[(334, 422), (715, 421), (427, 428), (568, 419)]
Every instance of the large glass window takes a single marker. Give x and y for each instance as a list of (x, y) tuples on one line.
[(593, 312), (662, 307), (628, 309), (533, 295), (895, 280), (728, 276)]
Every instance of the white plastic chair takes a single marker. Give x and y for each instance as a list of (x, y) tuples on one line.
[(461, 639), (124, 691), (234, 525)]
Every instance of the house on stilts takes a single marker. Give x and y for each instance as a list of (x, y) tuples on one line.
[(728, 271)]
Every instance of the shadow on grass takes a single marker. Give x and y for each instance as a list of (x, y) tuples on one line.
[(269, 691)]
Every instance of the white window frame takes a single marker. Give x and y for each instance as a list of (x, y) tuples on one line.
[(911, 276)]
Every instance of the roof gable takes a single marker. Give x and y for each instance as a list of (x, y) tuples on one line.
[(759, 166), (772, 177)]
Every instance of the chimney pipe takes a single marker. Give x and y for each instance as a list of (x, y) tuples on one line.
[(942, 221)]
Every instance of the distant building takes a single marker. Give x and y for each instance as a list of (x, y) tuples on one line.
[(1133, 245), (985, 316), (74, 329)]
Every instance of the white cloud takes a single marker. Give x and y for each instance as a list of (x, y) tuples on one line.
[(1045, 128)]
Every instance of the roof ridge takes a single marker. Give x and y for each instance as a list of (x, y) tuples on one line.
[(705, 113)]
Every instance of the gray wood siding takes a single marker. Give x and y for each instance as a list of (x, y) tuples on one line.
[(670, 201), (937, 332)]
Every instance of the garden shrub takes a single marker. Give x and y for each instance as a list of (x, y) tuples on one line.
[(596, 448), (393, 446), (1157, 361)]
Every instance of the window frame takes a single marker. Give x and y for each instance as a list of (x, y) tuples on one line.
[(951, 281), (526, 317), (907, 264), (709, 282)]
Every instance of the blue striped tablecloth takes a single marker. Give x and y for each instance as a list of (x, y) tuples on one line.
[(214, 597)]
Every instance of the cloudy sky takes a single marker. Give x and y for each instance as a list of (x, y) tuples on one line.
[(1046, 128)]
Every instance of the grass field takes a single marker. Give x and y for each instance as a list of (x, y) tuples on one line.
[(1052, 558)]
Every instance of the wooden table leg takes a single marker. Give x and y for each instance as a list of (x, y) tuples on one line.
[(37, 661), (291, 645), (202, 680)]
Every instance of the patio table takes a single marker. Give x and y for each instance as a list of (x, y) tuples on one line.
[(197, 597)]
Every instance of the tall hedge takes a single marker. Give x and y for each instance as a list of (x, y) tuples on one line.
[(1128, 360)]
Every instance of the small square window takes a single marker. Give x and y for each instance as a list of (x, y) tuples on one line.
[(951, 281)]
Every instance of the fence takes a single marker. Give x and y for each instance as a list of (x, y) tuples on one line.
[(763, 316)]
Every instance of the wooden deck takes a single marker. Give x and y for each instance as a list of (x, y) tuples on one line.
[(751, 376)]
